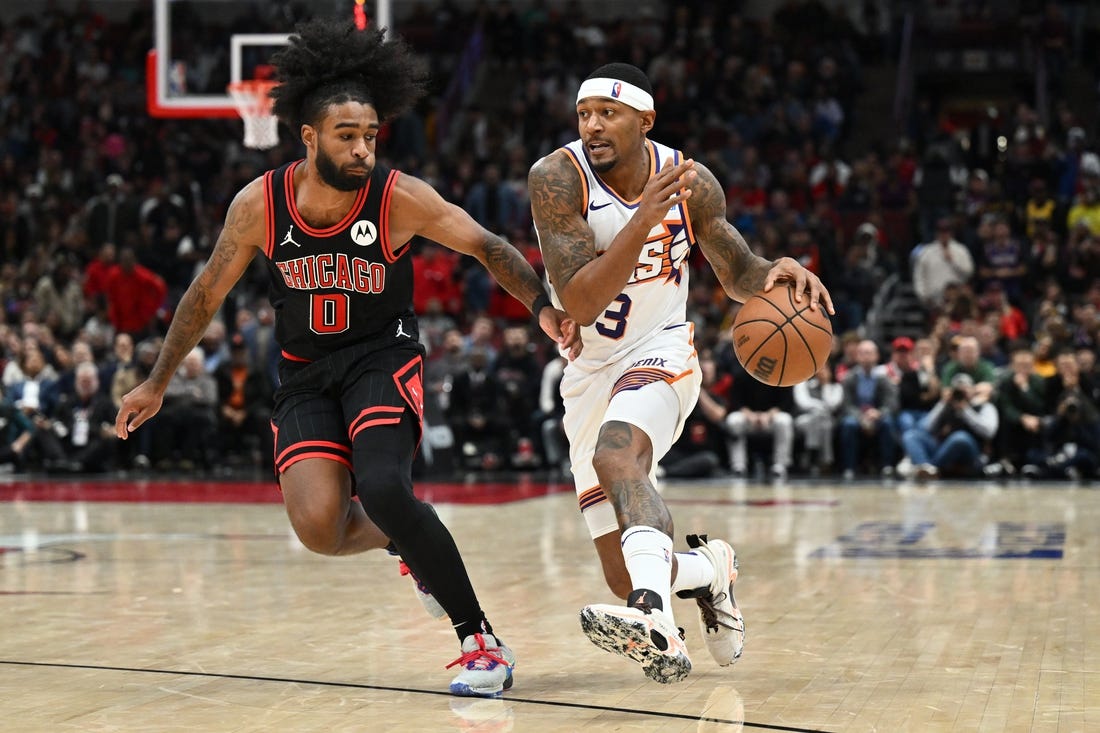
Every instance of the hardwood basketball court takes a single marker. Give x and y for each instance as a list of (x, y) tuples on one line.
[(189, 606)]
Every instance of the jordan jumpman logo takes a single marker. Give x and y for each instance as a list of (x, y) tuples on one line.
[(289, 237), (401, 329)]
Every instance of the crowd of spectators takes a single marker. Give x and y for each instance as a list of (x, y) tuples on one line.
[(105, 214)]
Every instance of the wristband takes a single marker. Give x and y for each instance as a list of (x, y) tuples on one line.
[(542, 301)]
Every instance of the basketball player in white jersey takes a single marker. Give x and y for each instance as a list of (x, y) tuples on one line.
[(617, 215)]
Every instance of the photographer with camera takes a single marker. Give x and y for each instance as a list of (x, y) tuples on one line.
[(952, 437), (1071, 426)]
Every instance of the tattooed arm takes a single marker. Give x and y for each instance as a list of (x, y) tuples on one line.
[(741, 272), (586, 283), (417, 209), (241, 237)]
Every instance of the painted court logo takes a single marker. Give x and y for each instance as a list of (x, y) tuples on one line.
[(364, 232)]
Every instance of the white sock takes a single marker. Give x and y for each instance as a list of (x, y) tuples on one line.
[(692, 571), (648, 554)]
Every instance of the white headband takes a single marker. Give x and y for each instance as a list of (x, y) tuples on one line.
[(620, 91)]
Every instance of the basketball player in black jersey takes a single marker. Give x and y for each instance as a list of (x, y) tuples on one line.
[(334, 229)]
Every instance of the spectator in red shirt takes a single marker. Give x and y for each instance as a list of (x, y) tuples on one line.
[(97, 271), (434, 278), (134, 294), (1010, 321)]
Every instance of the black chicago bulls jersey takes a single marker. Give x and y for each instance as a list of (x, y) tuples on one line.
[(341, 285)]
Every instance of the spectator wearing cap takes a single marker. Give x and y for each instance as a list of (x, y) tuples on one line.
[(954, 437), (943, 261), (916, 380)]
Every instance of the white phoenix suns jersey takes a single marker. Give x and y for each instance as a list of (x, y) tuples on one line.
[(655, 297)]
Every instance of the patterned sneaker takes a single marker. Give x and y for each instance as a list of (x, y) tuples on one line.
[(431, 605), (719, 618), (642, 634), (486, 667)]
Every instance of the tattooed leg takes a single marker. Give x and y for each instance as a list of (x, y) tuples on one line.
[(622, 461)]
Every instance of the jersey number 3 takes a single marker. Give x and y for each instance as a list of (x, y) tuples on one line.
[(612, 323), (328, 312)]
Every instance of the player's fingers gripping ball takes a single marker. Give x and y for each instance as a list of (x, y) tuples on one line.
[(780, 341)]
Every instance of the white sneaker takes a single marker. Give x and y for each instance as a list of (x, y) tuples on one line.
[(925, 471), (719, 617), (486, 667), (642, 634)]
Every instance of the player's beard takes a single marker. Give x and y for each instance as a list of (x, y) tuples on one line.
[(603, 166), (332, 175)]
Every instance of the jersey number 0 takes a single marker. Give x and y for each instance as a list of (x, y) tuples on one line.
[(328, 313)]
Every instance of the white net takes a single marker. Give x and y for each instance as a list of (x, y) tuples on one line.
[(261, 128)]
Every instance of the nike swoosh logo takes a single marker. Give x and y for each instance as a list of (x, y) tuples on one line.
[(593, 207)]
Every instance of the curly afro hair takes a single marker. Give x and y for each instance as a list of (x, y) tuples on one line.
[(331, 62)]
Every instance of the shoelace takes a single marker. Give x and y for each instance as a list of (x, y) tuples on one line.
[(707, 606), (480, 658), (405, 571)]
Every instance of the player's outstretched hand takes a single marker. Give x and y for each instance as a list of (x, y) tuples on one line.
[(559, 326), (671, 186), (787, 269), (138, 405)]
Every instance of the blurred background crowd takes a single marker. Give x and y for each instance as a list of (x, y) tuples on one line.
[(948, 194)]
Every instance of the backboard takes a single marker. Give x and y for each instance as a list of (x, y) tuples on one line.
[(199, 48)]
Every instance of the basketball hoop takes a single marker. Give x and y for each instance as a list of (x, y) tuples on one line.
[(261, 128)]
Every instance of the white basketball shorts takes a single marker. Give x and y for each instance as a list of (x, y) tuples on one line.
[(654, 388)]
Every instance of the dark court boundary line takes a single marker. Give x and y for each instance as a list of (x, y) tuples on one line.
[(384, 688)]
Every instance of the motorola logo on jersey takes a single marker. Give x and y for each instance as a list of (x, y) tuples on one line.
[(364, 232)]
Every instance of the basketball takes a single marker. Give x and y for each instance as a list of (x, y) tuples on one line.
[(779, 341)]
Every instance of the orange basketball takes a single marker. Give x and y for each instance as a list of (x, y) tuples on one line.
[(779, 341)]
